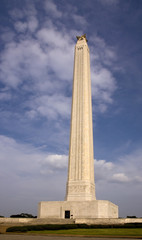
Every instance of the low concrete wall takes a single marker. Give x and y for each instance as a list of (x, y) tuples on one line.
[(77, 220), (107, 221), (16, 220)]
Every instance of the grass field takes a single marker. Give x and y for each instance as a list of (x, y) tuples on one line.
[(94, 232)]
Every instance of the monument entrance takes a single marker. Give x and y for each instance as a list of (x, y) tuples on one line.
[(67, 214)]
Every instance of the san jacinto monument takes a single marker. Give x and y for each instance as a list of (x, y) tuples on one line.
[(80, 200)]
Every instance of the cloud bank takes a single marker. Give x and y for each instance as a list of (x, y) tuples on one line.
[(27, 166)]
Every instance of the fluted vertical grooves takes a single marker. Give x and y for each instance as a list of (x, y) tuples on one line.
[(80, 184)]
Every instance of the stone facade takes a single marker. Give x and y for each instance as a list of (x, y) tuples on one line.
[(78, 209)]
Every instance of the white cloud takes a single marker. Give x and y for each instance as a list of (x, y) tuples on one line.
[(5, 96), (103, 164), (53, 162), (79, 20), (54, 38), (27, 11), (50, 106), (127, 169), (57, 161), (104, 80), (120, 177), (138, 179), (121, 183), (102, 170), (104, 84), (104, 53), (22, 60), (103, 87), (51, 8), (60, 51), (20, 26), (32, 23), (33, 59), (18, 158), (37, 65)]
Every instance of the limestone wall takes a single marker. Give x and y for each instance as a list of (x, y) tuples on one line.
[(78, 220), (107, 221), (15, 220)]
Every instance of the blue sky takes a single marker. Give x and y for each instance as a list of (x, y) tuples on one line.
[(37, 40)]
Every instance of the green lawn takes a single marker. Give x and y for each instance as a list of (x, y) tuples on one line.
[(107, 232)]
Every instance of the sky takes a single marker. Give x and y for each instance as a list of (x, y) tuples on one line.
[(37, 40)]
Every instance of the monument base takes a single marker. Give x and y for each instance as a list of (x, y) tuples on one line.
[(77, 209)]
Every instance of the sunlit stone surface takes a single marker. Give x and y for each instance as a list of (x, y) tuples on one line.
[(80, 185)]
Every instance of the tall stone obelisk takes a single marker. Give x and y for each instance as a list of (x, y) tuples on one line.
[(80, 201), (80, 185)]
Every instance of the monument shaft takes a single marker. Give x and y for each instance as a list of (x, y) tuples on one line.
[(80, 199), (80, 185)]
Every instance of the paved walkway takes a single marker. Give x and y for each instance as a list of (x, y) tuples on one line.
[(41, 237)]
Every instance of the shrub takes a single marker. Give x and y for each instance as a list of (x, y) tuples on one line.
[(68, 226), (23, 215)]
